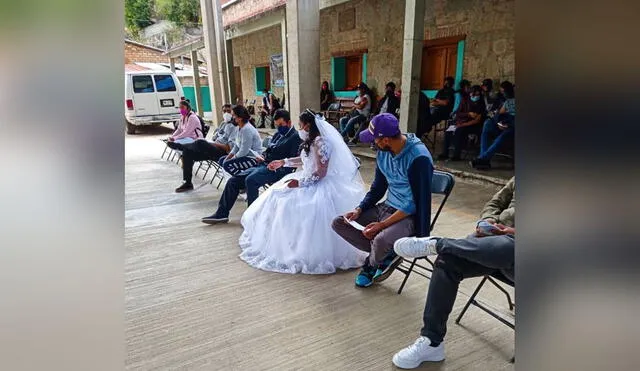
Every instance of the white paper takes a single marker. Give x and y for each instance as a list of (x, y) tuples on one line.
[(355, 224), (451, 128)]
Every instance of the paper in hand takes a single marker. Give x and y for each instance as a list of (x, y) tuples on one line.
[(355, 224), (451, 128)]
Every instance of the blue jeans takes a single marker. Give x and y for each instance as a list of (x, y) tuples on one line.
[(491, 129), (347, 123), (251, 180)]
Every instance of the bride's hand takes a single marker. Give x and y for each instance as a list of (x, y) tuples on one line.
[(275, 165)]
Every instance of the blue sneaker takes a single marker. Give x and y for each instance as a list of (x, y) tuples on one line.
[(390, 262), (365, 277)]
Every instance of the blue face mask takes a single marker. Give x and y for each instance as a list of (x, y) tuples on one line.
[(475, 98), (283, 130)]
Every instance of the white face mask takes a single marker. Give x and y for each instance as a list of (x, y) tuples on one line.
[(226, 116), (303, 134)]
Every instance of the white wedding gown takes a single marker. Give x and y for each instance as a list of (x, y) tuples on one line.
[(288, 230)]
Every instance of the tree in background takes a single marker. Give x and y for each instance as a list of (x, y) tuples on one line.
[(138, 14), (185, 13)]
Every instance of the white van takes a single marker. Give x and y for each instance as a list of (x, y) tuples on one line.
[(151, 98)]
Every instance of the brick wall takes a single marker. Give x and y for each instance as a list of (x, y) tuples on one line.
[(253, 50), (135, 53)]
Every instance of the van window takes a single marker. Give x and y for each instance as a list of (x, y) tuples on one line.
[(164, 83), (142, 84)]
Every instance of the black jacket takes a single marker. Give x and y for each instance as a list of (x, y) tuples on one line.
[(392, 106)]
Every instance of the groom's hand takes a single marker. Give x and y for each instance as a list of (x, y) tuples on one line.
[(372, 230), (293, 183), (353, 215)]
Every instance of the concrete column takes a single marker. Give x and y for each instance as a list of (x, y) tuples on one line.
[(172, 65), (221, 51), (211, 55), (283, 32), (411, 63), (233, 94), (196, 82), (303, 47)]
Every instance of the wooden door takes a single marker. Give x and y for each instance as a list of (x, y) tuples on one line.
[(238, 83), (267, 77), (438, 62), (354, 71)]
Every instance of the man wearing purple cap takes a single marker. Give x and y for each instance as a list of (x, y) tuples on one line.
[(404, 169)]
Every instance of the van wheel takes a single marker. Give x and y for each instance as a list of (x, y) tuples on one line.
[(131, 129)]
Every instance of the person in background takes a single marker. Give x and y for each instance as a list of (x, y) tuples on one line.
[(492, 100), (404, 170), (359, 114), (390, 102), (464, 88), (489, 251), (500, 126), (467, 120), (189, 128), (204, 150), (248, 146), (285, 143), (269, 106), (326, 96), (441, 107)]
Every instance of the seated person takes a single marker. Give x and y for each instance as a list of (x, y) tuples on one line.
[(464, 88), (467, 120), (390, 102), (403, 170), (326, 96), (247, 147), (188, 130), (490, 250), (284, 144), (441, 107), (492, 100), (202, 150), (501, 127), (360, 111)]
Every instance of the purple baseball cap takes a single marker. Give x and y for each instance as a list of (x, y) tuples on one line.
[(382, 125)]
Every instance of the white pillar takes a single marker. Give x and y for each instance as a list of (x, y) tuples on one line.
[(233, 94), (411, 63), (221, 52), (210, 43), (196, 82), (303, 47), (172, 65), (285, 71)]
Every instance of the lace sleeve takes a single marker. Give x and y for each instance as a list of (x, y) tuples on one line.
[(293, 162), (322, 162)]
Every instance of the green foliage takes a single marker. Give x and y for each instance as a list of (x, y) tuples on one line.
[(182, 12), (137, 14)]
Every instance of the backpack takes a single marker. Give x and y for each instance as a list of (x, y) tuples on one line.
[(204, 128)]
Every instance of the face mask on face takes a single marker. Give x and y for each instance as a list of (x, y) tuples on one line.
[(227, 117), (304, 135), (183, 111), (475, 98), (283, 130)]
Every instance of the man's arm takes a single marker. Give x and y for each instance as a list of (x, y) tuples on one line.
[(498, 202), (420, 178), (376, 192), (362, 103)]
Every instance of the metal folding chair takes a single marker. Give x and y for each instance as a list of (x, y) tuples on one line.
[(473, 301), (442, 184)]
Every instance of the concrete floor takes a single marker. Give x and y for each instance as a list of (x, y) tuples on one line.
[(191, 303)]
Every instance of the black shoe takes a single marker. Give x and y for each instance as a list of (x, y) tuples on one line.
[(455, 158), (480, 164), (442, 157), (214, 219), (186, 186)]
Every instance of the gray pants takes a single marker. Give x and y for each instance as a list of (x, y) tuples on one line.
[(459, 259), (383, 242)]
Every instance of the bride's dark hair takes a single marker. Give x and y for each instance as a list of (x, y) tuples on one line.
[(309, 117)]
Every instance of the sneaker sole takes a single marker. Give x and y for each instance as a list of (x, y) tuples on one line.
[(184, 190), (407, 366), (214, 222), (386, 273)]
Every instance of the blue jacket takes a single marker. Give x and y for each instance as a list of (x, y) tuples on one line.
[(407, 178)]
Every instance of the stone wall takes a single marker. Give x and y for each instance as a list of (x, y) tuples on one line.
[(246, 9), (253, 50), (490, 29)]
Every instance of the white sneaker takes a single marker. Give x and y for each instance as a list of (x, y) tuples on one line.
[(416, 247), (418, 352)]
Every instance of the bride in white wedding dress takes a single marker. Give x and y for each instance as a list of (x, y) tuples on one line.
[(288, 228)]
